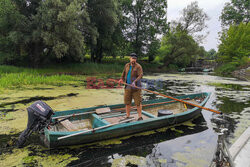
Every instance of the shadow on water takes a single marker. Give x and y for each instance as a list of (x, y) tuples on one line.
[(135, 145), (100, 155), (33, 99)]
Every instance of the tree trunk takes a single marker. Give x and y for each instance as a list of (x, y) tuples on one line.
[(35, 54), (93, 53), (150, 58), (99, 51)]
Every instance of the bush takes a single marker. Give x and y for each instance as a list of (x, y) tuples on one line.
[(226, 69)]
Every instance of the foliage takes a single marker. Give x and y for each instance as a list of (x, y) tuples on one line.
[(60, 25), (104, 16), (13, 36), (177, 47), (142, 21), (235, 12), (38, 32), (43, 30), (211, 54), (234, 47), (153, 48), (193, 21), (226, 69)]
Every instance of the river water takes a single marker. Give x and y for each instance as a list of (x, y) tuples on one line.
[(189, 144)]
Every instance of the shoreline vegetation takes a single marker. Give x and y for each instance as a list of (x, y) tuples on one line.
[(61, 43), (12, 77)]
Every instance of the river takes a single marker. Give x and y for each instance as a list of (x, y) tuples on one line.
[(192, 143)]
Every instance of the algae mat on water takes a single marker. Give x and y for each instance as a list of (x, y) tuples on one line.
[(14, 121)]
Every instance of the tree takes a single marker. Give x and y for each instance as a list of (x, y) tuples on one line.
[(193, 21), (211, 54), (10, 39), (44, 30), (234, 47), (17, 27), (143, 20), (104, 16), (235, 12), (61, 24), (178, 48), (153, 48)]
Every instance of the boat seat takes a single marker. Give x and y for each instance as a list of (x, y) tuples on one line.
[(102, 110), (69, 125)]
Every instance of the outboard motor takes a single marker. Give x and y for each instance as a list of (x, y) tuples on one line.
[(39, 117)]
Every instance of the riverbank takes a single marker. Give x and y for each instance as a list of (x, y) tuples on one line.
[(72, 74), (60, 75), (243, 74)]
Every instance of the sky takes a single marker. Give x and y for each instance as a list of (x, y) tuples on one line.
[(213, 9)]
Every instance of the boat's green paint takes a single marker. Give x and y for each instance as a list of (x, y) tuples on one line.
[(120, 129)]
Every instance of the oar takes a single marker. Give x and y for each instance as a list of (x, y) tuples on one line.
[(146, 105), (217, 112), (93, 130)]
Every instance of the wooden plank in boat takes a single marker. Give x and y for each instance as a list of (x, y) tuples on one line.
[(68, 125), (193, 101), (102, 110)]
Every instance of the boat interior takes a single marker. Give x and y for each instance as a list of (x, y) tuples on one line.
[(88, 120)]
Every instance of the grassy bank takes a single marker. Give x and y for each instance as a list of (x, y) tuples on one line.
[(58, 75), (15, 80), (84, 69), (14, 77)]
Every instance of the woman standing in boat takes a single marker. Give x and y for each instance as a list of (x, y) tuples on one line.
[(132, 74)]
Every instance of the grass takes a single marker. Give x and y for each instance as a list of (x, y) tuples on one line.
[(12, 80), (18, 77), (86, 69), (67, 74)]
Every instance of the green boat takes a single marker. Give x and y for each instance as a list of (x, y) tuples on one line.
[(104, 122)]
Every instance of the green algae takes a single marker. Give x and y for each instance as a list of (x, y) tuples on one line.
[(129, 159), (29, 160), (22, 157), (55, 160), (15, 122), (109, 142), (176, 130), (193, 158), (15, 158), (228, 86), (163, 161), (98, 144), (188, 123)]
